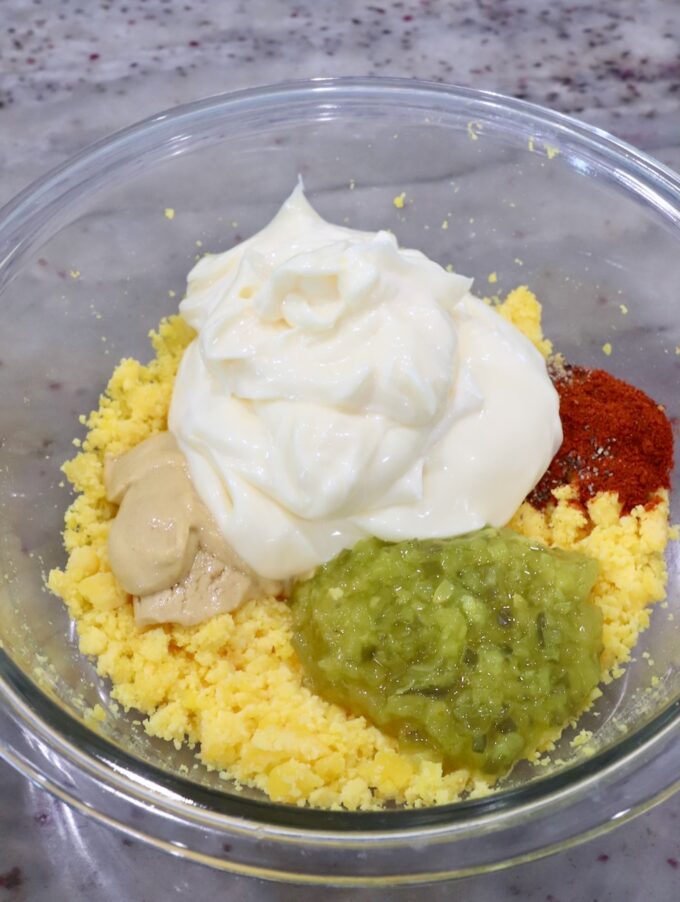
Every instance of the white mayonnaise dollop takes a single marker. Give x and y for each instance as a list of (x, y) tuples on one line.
[(341, 386)]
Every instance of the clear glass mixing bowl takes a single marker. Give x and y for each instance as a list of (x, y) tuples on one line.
[(90, 257)]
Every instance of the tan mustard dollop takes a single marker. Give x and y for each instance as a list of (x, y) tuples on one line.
[(164, 547)]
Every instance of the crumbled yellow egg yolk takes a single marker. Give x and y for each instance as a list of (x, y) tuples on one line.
[(522, 309), (233, 686)]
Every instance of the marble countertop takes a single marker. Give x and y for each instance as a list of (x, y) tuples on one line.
[(72, 71)]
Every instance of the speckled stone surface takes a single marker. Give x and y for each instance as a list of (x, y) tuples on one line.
[(73, 70)]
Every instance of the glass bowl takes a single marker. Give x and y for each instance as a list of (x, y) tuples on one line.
[(94, 254)]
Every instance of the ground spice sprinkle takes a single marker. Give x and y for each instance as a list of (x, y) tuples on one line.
[(616, 439)]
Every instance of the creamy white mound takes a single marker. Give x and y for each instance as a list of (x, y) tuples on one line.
[(341, 386)]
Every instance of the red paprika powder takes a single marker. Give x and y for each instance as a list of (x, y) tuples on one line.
[(616, 439)]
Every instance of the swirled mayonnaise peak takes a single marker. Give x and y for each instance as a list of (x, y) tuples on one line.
[(341, 386)]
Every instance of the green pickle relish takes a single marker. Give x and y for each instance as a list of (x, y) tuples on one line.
[(472, 646)]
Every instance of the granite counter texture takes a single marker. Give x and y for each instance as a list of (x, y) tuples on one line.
[(73, 70)]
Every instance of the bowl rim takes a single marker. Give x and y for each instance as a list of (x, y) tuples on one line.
[(22, 223), (19, 211)]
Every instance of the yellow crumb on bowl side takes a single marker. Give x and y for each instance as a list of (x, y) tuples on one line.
[(233, 687)]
